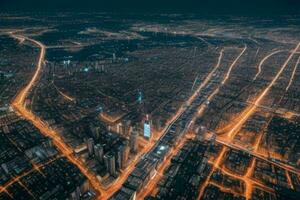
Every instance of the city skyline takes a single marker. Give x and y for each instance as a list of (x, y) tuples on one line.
[(154, 105)]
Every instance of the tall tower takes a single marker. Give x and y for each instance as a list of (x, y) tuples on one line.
[(133, 140), (110, 163), (90, 146), (99, 152), (147, 127)]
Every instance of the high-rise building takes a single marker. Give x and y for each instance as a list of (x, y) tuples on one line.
[(119, 157), (133, 140), (126, 127), (90, 146), (125, 154), (110, 163), (122, 156), (147, 128), (95, 131), (99, 152)]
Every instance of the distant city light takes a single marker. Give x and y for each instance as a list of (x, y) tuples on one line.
[(86, 69)]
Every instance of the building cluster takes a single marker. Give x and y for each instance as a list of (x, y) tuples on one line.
[(187, 170), (31, 167), (237, 161), (214, 192), (282, 139), (149, 164), (114, 160)]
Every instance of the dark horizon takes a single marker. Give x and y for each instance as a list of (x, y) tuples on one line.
[(203, 7)]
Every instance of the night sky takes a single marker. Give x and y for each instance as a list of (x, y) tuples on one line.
[(210, 7)]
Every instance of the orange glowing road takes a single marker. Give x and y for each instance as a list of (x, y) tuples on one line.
[(289, 180), (247, 180), (153, 182), (245, 116), (263, 61), (67, 97), (238, 125), (163, 166), (148, 147), (18, 105), (258, 100), (224, 189), (293, 74), (249, 183), (220, 157), (18, 178), (233, 64), (215, 165), (258, 155)]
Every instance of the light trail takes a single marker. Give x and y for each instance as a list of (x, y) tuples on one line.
[(293, 74), (214, 167), (257, 155), (249, 183), (249, 187), (220, 157), (247, 114), (259, 68), (289, 180), (69, 98), (258, 100), (18, 105), (224, 189), (5, 191), (233, 64)]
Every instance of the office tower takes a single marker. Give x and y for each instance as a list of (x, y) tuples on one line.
[(126, 127), (147, 128), (133, 140), (125, 155), (119, 157), (99, 152), (122, 156), (90, 146), (110, 163)]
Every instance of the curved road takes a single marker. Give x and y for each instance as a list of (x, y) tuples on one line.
[(19, 106)]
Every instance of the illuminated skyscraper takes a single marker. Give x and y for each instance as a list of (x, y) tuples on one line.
[(147, 128)]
